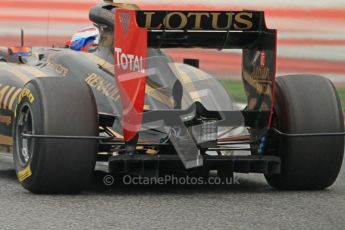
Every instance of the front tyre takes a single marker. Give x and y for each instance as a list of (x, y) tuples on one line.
[(307, 104), (55, 106)]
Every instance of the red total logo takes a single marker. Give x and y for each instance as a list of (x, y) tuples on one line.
[(130, 62)]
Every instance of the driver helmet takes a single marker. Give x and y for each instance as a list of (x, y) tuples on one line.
[(86, 39)]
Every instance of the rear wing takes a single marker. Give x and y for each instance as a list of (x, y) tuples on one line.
[(189, 29), (137, 30), (206, 29)]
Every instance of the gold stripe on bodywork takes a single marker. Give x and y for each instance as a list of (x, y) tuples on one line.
[(7, 120), (8, 94), (35, 72), (187, 82), (199, 74), (6, 140), (19, 74), (262, 86), (13, 98), (195, 96), (152, 92), (159, 96), (3, 92), (100, 61), (181, 74), (116, 134)]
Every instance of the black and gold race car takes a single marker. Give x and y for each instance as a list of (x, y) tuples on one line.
[(128, 104)]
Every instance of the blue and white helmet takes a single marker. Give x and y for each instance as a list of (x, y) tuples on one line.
[(85, 39)]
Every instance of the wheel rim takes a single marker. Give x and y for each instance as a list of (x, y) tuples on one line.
[(24, 145)]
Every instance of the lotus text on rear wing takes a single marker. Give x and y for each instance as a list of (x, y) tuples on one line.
[(196, 20)]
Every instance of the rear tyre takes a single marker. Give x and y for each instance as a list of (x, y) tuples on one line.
[(307, 104), (55, 106)]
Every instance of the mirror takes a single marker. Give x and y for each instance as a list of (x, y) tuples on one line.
[(22, 51)]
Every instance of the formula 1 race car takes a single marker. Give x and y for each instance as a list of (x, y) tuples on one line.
[(129, 105)]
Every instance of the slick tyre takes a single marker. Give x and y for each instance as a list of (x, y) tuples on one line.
[(55, 106), (307, 104)]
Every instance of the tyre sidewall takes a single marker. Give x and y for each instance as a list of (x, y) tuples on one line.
[(36, 162)]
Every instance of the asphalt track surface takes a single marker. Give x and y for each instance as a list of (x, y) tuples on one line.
[(252, 204)]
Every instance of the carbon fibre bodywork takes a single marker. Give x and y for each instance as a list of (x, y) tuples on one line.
[(96, 69)]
